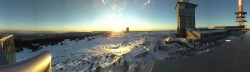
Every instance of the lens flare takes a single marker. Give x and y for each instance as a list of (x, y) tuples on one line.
[(117, 28)]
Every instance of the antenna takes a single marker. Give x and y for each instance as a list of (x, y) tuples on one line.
[(184, 1), (240, 15)]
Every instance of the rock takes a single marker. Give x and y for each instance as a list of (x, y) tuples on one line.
[(61, 68)]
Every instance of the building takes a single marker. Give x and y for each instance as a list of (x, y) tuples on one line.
[(204, 36), (233, 30), (240, 28), (210, 35), (127, 29), (186, 26), (185, 17)]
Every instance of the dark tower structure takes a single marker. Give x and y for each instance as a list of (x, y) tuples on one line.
[(127, 29), (186, 17), (240, 15)]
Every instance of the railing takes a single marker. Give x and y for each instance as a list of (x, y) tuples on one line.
[(192, 34), (7, 49), (40, 63)]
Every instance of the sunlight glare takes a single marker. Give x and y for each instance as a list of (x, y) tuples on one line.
[(116, 20), (117, 28)]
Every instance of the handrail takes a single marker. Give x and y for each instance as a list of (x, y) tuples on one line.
[(39, 63), (6, 37), (7, 50), (192, 34), (3, 58)]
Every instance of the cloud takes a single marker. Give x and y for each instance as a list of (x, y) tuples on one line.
[(116, 6)]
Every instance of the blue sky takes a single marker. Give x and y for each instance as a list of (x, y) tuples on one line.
[(102, 15)]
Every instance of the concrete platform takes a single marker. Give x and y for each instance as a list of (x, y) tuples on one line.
[(233, 57)]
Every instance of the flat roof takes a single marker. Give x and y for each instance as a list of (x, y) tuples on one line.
[(234, 56), (211, 31), (229, 27)]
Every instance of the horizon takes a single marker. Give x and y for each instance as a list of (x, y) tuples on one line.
[(29, 31), (110, 15)]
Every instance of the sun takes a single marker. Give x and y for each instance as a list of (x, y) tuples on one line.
[(117, 28), (116, 22)]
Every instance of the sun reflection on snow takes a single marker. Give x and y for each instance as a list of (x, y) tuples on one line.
[(120, 50), (117, 34)]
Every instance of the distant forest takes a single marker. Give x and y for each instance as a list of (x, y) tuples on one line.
[(36, 41)]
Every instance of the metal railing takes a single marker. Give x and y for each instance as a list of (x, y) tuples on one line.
[(7, 49), (39, 63)]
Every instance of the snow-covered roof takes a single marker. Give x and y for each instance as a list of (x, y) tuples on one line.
[(175, 39)]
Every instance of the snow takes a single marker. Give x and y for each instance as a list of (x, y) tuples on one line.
[(133, 52), (170, 39), (231, 38)]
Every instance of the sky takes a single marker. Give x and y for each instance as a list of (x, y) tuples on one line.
[(110, 15)]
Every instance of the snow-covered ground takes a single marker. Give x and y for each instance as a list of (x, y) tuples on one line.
[(119, 52)]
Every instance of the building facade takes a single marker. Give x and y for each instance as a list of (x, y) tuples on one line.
[(209, 36), (185, 17)]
